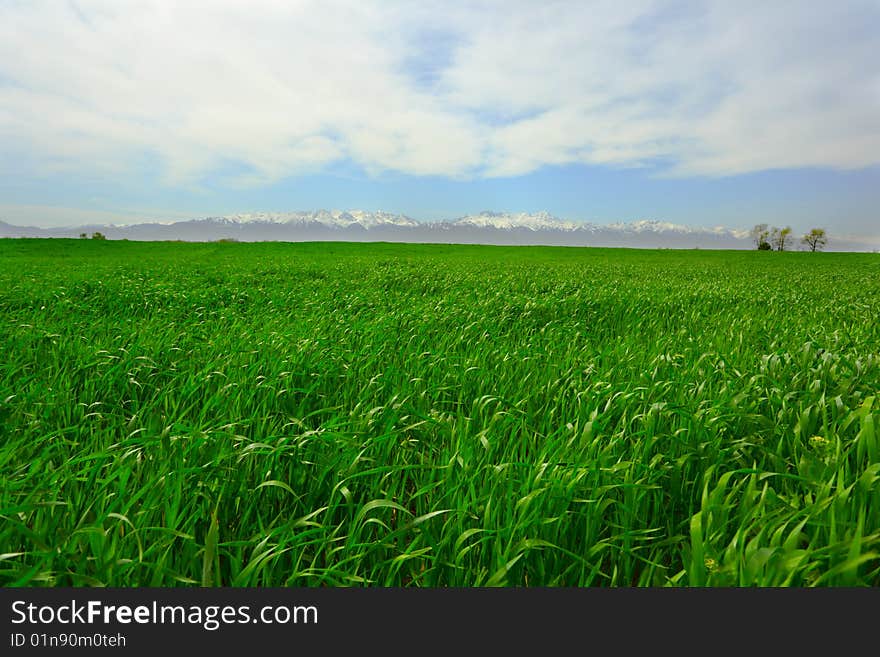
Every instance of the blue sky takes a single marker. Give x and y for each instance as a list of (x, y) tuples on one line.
[(700, 113)]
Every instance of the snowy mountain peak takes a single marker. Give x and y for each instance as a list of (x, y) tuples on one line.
[(329, 218), (655, 226), (507, 221)]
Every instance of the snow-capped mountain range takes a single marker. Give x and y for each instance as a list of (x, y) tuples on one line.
[(364, 226), (536, 222), (511, 220), (329, 218)]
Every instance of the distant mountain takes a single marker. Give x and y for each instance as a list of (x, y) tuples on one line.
[(544, 228), (487, 227), (330, 219), (539, 221)]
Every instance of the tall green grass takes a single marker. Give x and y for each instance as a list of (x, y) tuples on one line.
[(400, 415)]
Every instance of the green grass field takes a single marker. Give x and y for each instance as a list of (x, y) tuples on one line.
[(415, 415)]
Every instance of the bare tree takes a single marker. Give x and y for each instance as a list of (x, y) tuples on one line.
[(779, 237), (759, 234), (815, 239)]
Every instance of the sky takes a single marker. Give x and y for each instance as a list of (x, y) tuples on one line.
[(699, 113)]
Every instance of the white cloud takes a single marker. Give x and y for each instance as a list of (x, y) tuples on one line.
[(280, 88)]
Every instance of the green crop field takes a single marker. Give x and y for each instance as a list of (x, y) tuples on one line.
[(425, 415)]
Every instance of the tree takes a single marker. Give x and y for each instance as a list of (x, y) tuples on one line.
[(779, 237), (815, 239), (759, 234), (82, 236), (98, 236)]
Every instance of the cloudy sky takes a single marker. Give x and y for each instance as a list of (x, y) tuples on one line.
[(703, 113)]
